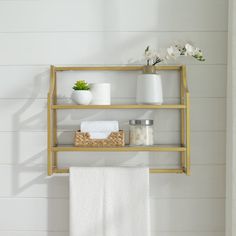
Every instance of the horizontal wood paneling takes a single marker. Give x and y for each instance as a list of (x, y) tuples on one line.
[(37, 33), (30, 149), (204, 182), (187, 215), (207, 81), (36, 233), (113, 15), (23, 148), (25, 182), (102, 47), (208, 147), (23, 115), (52, 214), (30, 115), (208, 114), (189, 233), (153, 233), (34, 82), (39, 214), (29, 181)]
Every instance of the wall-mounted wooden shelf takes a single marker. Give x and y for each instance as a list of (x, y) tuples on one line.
[(184, 106)]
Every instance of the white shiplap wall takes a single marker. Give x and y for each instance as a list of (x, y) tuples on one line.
[(37, 33)]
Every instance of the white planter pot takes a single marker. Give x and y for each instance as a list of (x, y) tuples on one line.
[(149, 89), (81, 97), (101, 93)]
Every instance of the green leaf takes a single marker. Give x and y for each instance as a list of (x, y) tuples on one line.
[(81, 85)]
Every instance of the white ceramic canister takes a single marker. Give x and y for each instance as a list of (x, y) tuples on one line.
[(101, 93), (149, 87)]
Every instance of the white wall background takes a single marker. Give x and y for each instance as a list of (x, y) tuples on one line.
[(37, 33)]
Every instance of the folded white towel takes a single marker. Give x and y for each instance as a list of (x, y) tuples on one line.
[(107, 201), (99, 135), (99, 126)]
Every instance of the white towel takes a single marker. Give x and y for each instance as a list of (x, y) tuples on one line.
[(107, 201), (99, 126), (99, 135)]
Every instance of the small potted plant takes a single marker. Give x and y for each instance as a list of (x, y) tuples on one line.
[(81, 94)]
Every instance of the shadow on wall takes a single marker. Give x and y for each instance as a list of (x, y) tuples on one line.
[(29, 175), (31, 164), (56, 189)]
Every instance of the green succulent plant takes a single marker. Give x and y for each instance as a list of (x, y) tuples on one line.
[(81, 85)]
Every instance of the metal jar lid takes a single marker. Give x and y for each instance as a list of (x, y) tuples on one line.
[(141, 122)]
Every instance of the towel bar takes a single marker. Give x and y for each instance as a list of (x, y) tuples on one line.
[(152, 171)]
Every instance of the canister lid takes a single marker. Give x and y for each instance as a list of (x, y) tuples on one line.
[(141, 122)]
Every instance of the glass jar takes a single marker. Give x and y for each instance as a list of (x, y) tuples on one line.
[(141, 132)]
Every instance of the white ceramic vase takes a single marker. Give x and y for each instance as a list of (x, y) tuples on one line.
[(101, 93), (149, 87), (82, 97)]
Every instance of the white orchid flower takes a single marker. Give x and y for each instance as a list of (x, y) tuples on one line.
[(189, 49), (197, 51), (173, 52)]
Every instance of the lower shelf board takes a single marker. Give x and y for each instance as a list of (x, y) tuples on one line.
[(127, 148)]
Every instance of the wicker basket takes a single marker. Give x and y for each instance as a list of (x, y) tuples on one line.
[(115, 139)]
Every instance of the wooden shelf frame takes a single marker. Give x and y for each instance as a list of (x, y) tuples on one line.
[(184, 107)]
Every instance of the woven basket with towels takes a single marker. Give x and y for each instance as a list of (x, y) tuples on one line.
[(99, 134)]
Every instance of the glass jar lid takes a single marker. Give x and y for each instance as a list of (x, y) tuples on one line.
[(141, 122)]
